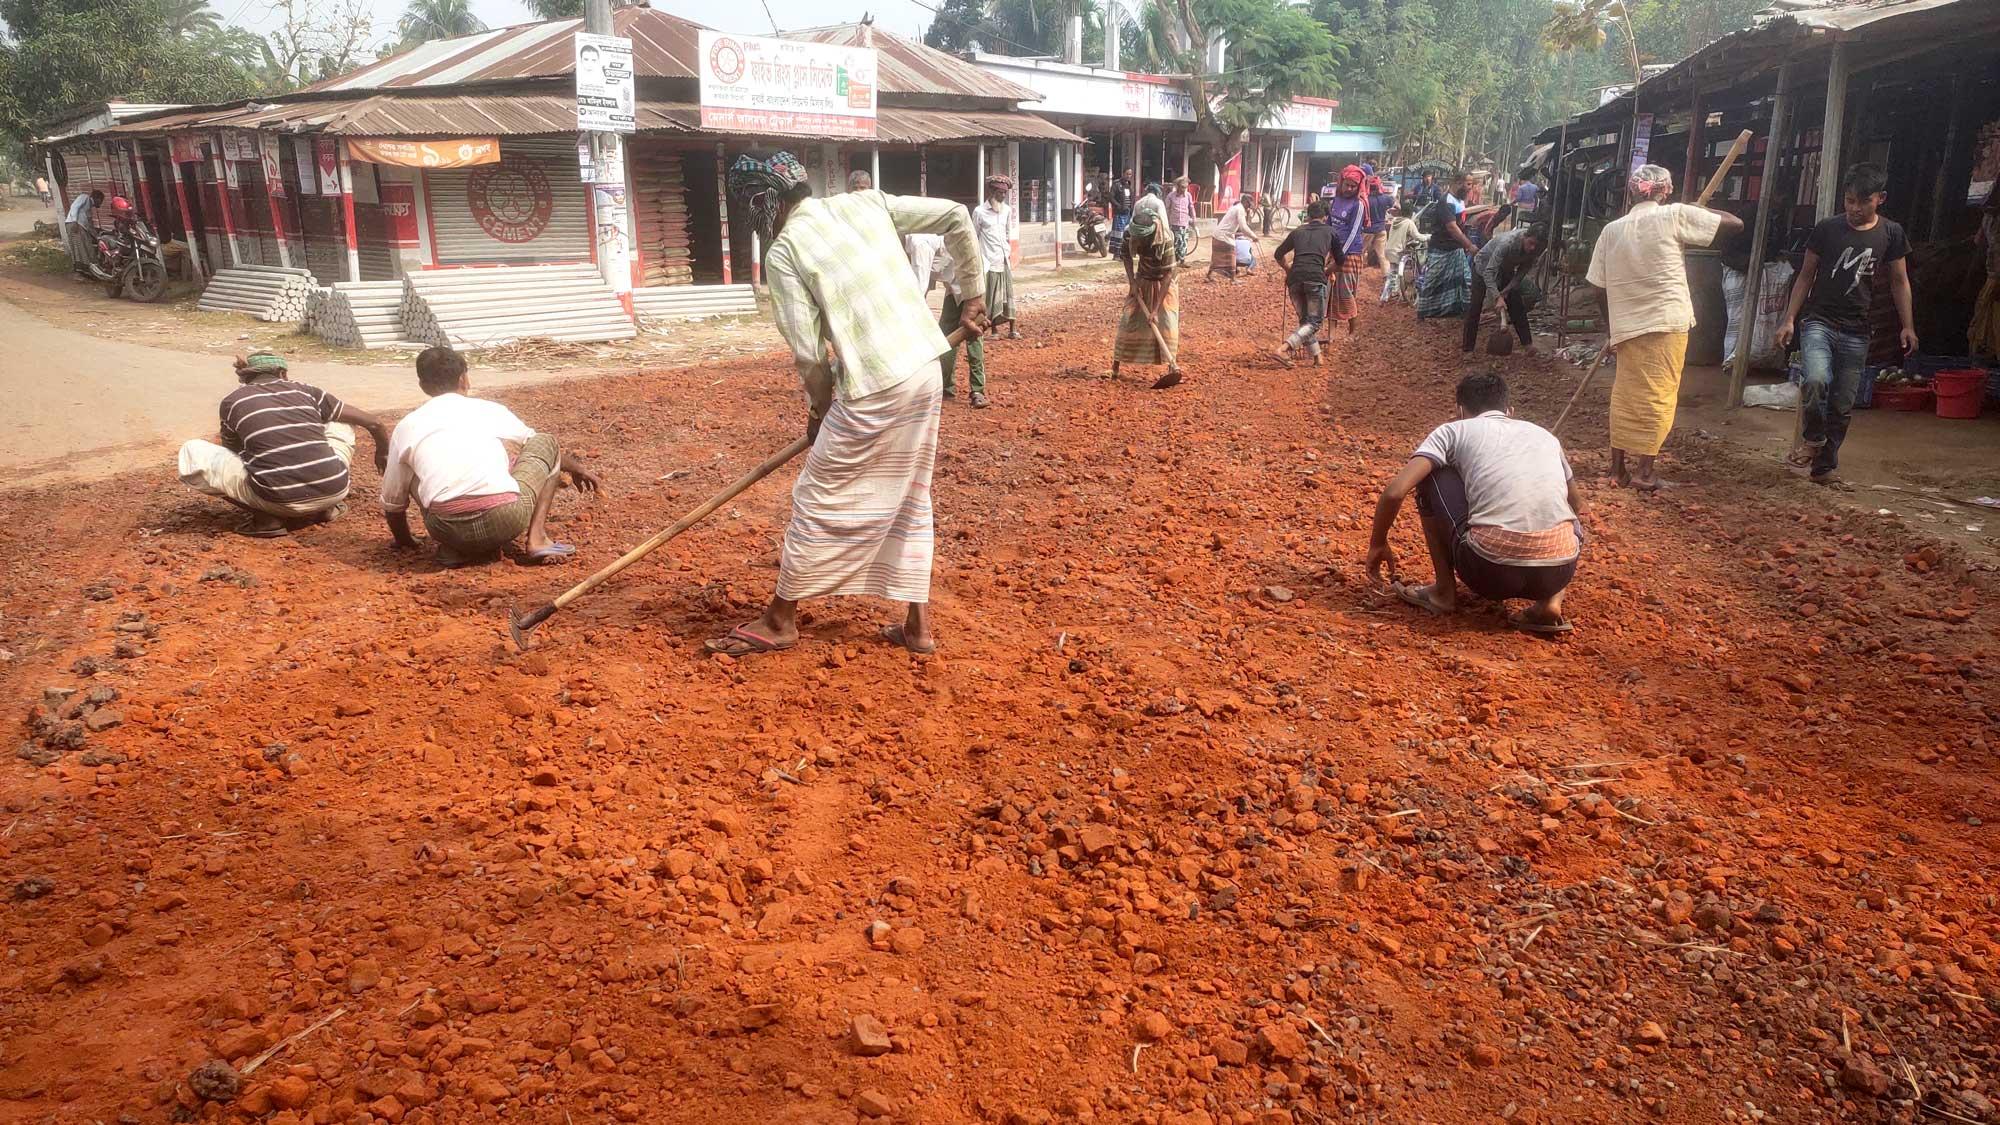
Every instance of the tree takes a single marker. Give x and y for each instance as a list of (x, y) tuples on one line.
[(1274, 53), (426, 20), (315, 40), (62, 54), (556, 9), (191, 17)]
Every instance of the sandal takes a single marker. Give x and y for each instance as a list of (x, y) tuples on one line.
[(894, 635), (742, 642), (555, 554), (257, 527), (1420, 596), (1527, 624)]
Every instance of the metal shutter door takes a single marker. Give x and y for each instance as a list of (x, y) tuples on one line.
[(527, 208)]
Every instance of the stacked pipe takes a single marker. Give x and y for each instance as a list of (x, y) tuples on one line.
[(659, 196), (482, 308), (690, 302), (274, 293), (361, 314)]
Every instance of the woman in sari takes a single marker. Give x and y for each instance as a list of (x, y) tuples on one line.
[(1149, 331), (1446, 285)]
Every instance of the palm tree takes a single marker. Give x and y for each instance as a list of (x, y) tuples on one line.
[(556, 9), (190, 17), (425, 20)]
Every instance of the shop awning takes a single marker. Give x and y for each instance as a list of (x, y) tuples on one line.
[(528, 114)]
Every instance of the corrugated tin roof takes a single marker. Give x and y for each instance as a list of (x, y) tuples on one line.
[(913, 68), (663, 46), (400, 114), (1843, 15)]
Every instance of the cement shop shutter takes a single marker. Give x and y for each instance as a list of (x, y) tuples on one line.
[(527, 208), (659, 197)]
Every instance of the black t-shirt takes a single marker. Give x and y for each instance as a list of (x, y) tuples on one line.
[(1848, 262), (1311, 246), (1122, 197)]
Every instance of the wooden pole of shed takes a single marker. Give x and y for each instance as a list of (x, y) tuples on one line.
[(224, 174), (347, 211), (1697, 120), (1833, 127), (272, 190), (1953, 124), (722, 208), (1056, 190), (193, 236), (1760, 237)]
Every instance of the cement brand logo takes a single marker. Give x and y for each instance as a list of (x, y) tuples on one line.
[(725, 60), (510, 200)]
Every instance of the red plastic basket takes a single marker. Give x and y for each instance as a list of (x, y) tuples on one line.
[(1904, 398)]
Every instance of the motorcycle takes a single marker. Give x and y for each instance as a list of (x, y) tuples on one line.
[(128, 259), (1090, 235)]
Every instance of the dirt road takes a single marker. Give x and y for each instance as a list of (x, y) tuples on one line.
[(1186, 823)]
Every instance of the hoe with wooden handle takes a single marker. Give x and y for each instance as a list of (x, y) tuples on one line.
[(521, 625)]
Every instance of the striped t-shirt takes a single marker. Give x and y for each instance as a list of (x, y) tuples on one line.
[(278, 427)]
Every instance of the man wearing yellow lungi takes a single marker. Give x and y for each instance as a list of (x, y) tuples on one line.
[(1152, 314), (1639, 267), (861, 510)]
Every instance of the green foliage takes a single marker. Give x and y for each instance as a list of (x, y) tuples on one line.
[(191, 17), (1276, 52), (426, 20), (64, 54), (556, 9)]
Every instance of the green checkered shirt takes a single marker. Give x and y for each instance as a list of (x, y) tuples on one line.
[(838, 270)]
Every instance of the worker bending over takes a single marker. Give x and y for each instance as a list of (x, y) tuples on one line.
[(1499, 508)]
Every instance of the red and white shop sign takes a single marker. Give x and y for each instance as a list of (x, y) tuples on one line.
[(399, 203), (327, 156), (511, 201)]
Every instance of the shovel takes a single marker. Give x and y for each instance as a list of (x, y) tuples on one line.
[(1173, 375), (522, 625)]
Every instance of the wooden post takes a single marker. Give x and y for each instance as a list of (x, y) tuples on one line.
[(1953, 124), (224, 174), (1697, 118), (875, 165), (426, 239), (347, 211), (1759, 238), (145, 190), (187, 216), (722, 208), (923, 171), (1013, 199), (271, 191), (1056, 189), (979, 178), (1833, 127)]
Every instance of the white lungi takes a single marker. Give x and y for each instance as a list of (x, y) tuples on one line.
[(216, 471), (861, 510)]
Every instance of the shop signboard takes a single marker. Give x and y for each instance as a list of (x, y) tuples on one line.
[(399, 205), (607, 101), (455, 152), (751, 84), (326, 155)]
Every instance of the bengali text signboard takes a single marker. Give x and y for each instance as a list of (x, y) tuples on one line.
[(606, 99), (780, 86)]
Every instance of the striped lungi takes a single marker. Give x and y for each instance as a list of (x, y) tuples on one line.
[(1340, 304), (1445, 287), (861, 510), (1000, 295), (1134, 342), (1646, 390)]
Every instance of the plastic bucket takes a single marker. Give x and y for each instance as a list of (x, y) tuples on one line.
[(1959, 393)]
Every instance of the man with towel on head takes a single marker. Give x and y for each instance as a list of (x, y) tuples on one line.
[(861, 510), (1152, 282), (1639, 269), (1347, 215)]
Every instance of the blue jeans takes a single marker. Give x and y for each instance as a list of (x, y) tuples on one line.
[(1834, 362)]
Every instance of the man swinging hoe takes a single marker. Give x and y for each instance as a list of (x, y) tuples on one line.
[(861, 510), (1149, 331)]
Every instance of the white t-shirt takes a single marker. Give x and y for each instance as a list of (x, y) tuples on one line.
[(1233, 225), (1516, 477), (450, 448), (989, 222), (1639, 266)]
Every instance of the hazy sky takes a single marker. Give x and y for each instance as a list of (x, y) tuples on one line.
[(903, 17)]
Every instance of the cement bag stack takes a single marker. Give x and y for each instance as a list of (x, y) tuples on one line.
[(274, 293), (361, 314), (659, 199), (485, 308), (687, 302)]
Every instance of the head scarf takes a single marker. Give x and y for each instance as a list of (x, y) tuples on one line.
[(1153, 189), (999, 183), (1650, 181), (762, 184), (258, 364)]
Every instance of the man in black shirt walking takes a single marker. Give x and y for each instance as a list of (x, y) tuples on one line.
[(1843, 258), (1314, 254)]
